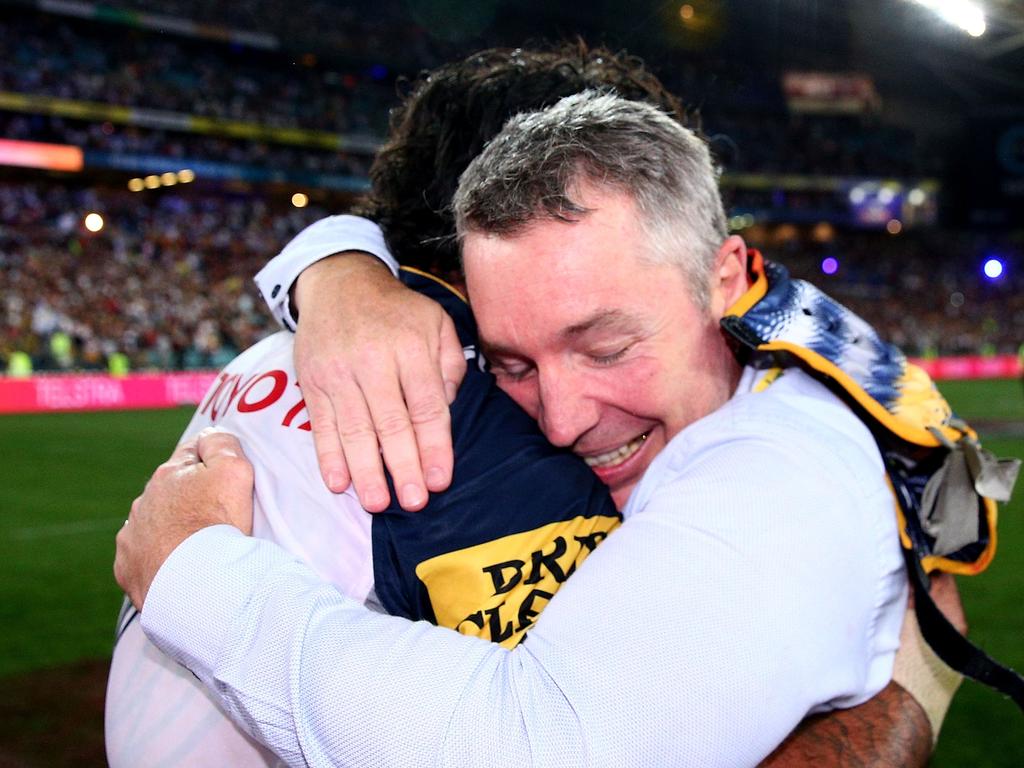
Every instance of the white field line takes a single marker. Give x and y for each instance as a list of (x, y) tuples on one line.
[(108, 525)]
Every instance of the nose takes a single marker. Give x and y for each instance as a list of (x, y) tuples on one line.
[(565, 411)]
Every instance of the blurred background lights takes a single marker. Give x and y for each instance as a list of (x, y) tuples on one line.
[(916, 196), (93, 222), (894, 226), (830, 265), (151, 182), (886, 195), (185, 176), (858, 195), (168, 179), (686, 12), (136, 185), (300, 200), (956, 299), (823, 232), (993, 269)]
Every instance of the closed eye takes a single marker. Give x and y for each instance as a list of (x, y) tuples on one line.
[(611, 357), (510, 372)]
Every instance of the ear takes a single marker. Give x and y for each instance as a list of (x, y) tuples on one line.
[(729, 279)]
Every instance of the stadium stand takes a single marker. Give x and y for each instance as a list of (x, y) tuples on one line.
[(297, 106)]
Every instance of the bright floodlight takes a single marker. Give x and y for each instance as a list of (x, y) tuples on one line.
[(830, 265), (94, 222), (965, 14), (993, 269)]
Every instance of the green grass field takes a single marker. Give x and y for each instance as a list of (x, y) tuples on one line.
[(68, 479)]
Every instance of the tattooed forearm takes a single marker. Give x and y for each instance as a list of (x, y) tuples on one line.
[(889, 731)]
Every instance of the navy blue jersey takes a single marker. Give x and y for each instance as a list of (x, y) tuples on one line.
[(485, 556)]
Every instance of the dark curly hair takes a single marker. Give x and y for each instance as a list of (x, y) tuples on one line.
[(449, 115)]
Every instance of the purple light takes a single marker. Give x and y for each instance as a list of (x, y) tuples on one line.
[(830, 265), (993, 269)]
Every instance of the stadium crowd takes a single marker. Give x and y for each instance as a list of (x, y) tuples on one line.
[(130, 140), (741, 107), (361, 28), (166, 282), (924, 290), (71, 59)]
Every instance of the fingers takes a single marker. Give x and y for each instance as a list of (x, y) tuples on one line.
[(214, 444), (326, 438), (357, 439), (378, 371), (392, 427), (427, 402), (453, 360), (186, 452)]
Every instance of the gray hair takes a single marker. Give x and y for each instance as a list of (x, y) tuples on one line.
[(531, 169)]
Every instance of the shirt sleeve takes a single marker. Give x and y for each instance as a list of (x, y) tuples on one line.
[(700, 633), (328, 236)]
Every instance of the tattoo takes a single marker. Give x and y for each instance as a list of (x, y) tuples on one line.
[(889, 731)]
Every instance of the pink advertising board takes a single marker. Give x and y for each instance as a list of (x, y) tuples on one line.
[(96, 392)]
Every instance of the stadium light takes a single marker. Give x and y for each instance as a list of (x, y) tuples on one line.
[(93, 222), (965, 14), (916, 196), (993, 268)]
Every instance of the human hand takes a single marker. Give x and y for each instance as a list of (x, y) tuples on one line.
[(207, 481), (379, 364)]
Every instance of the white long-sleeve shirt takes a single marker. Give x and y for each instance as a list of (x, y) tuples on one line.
[(757, 578)]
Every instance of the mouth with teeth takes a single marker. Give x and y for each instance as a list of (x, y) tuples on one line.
[(616, 456)]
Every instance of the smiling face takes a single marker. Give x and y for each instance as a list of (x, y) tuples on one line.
[(607, 351)]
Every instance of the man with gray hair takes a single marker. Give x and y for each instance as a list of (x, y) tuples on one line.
[(756, 578)]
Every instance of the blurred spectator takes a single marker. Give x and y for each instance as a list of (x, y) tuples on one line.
[(71, 59), (165, 282), (742, 107)]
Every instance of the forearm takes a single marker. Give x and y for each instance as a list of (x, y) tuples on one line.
[(622, 667), (334, 234), (320, 680), (324, 280), (889, 731)]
